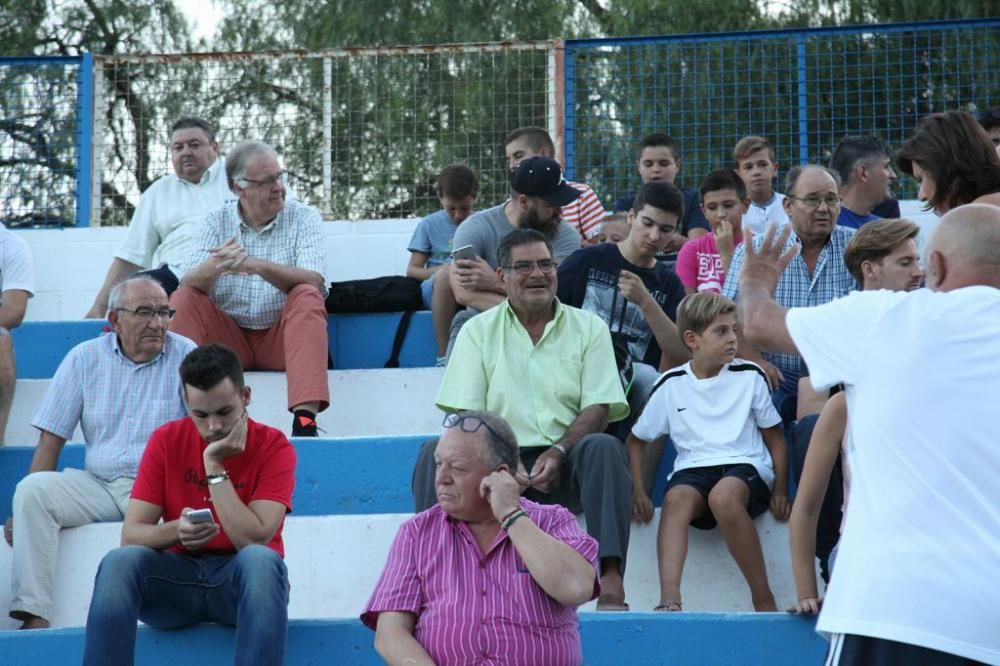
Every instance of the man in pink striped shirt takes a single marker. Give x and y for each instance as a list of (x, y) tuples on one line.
[(484, 576)]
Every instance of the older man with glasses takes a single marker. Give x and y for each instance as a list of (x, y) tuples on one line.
[(549, 369), (118, 388), (256, 282), (484, 575), (817, 275)]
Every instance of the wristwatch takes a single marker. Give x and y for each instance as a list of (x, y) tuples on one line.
[(216, 479)]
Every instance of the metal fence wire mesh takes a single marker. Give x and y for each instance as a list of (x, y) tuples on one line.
[(38, 156), (804, 90), (362, 133)]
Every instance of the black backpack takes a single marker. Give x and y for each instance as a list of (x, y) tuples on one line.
[(393, 293)]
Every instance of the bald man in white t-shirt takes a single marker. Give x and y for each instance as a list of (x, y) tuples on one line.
[(919, 560)]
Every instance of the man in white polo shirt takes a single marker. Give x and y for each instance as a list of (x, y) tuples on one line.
[(169, 211), (919, 561)]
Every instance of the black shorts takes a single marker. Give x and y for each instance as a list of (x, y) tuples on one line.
[(853, 650), (703, 479)]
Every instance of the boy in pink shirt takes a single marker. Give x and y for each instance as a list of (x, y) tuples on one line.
[(702, 262)]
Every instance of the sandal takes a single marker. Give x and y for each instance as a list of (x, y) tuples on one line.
[(670, 607)]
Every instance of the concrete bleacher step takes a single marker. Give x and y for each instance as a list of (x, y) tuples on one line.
[(334, 562), (363, 403), (608, 639), (350, 497)]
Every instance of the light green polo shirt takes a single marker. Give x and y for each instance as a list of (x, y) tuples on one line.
[(540, 389)]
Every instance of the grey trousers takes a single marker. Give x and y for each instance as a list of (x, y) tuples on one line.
[(596, 482)]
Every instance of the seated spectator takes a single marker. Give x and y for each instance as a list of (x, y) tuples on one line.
[(867, 177), (17, 285), (585, 213), (989, 120), (538, 193), (614, 229), (731, 460), (756, 166), (550, 371), (703, 262), (659, 158), (256, 284), (431, 244), (166, 220), (633, 294), (482, 536), (881, 255), (118, 387), (815, 276), (175, 569), (954, 160)]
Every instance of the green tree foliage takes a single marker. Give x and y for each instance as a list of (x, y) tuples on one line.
[(38, 111)]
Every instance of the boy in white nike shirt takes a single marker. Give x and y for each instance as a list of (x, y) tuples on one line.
[(731, 457)]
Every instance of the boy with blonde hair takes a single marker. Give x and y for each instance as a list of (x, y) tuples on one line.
[(755, 164), (731, 460)]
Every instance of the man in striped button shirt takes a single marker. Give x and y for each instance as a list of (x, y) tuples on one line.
[(484, 575), (118, 387), (255, 282)]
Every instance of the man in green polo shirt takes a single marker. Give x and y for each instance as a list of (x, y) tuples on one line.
[(549, 369)]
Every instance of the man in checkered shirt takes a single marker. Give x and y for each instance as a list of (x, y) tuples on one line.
[(816, 276), (255, 282)]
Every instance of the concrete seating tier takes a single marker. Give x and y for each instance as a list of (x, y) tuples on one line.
[(362, 403), (356, 341), (350, 498), (609, 639)]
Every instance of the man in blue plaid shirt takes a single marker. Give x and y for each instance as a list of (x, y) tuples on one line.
[(816, 276)]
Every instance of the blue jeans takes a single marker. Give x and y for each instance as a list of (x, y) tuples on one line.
[(168, 590)]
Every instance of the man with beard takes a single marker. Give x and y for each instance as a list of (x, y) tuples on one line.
[(538, 193)]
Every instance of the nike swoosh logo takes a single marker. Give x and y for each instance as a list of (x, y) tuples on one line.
[(681, 409)]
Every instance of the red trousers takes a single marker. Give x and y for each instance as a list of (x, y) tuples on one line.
[(297, 343)]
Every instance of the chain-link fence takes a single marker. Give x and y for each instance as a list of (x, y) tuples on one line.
[(40, 150), (802, 89), (362, 132)]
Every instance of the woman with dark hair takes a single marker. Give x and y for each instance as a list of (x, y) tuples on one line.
[(953, 159)]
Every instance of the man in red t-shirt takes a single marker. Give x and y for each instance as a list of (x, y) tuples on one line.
[(188, 569)]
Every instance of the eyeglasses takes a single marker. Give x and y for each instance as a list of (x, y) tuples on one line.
[(528, 267), (812, 201), (145, 314), (469, 424), (267, 182)]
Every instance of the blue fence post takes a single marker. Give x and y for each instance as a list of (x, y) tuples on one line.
[(84, 139), (569, 113), (803, 100)]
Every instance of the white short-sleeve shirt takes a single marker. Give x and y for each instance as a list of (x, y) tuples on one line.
[(16, 268), (168, 215), (712, 421), (919, 559)]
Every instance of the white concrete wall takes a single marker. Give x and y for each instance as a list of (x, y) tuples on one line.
[(363, 403), (70, 264), (335, 561)]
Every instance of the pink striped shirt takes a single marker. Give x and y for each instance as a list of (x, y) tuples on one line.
[(586, 213), (480, 609)]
